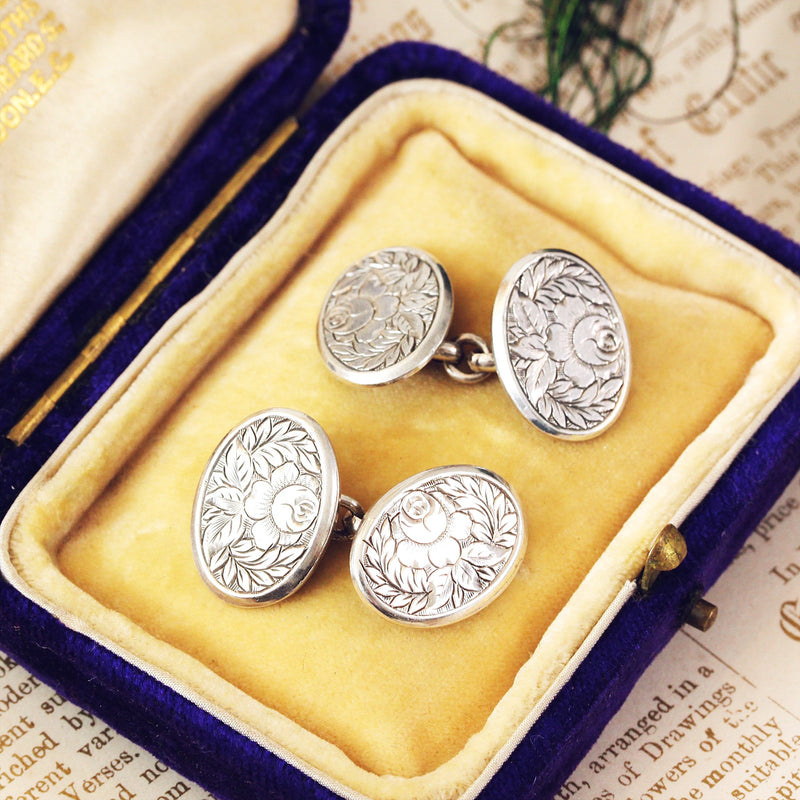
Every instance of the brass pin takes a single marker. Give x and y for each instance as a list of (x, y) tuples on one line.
[(702, 614)]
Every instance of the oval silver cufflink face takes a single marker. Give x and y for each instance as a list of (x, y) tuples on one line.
[(385, 317), (439, 546), (560, 345), (265, 507)]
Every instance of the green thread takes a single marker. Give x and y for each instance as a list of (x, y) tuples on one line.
[(593, 69)]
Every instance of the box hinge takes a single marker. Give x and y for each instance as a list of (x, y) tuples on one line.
[(160, 270)]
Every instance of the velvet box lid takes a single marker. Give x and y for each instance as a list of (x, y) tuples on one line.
[(63, 281), (534, 762)]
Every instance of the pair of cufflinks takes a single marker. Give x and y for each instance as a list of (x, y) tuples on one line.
[(442, 544)]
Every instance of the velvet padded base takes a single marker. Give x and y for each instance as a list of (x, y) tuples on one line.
[(451, 679), (441, 169)]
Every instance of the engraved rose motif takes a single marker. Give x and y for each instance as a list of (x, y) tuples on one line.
[(261, 504), (582, 341), (379, 310), (437, 547), (426, 534), (366, 312), (597, 341), (282, 508), (566, 343)]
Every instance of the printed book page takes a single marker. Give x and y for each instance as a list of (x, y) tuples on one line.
[(718, 713)]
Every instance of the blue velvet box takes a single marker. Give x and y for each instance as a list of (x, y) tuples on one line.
[(190, 738)]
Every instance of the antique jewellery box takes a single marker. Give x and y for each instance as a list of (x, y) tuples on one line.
[(173, 289)]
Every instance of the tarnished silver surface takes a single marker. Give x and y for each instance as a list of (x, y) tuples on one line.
[(385, 317), (265, 507), (560, 345), (439, 546)]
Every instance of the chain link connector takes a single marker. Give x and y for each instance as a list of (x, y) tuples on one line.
[(475, 354)]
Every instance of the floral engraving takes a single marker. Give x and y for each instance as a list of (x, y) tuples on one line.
[(566, 343), (260, 505), (436, 548), (380, 309)]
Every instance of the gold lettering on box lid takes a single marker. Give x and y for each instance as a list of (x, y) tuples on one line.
[(30, 63)]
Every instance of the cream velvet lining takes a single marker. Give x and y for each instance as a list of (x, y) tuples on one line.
[(73, 165), (101, 536)]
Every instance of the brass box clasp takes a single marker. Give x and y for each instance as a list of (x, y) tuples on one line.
[(666, 553)]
